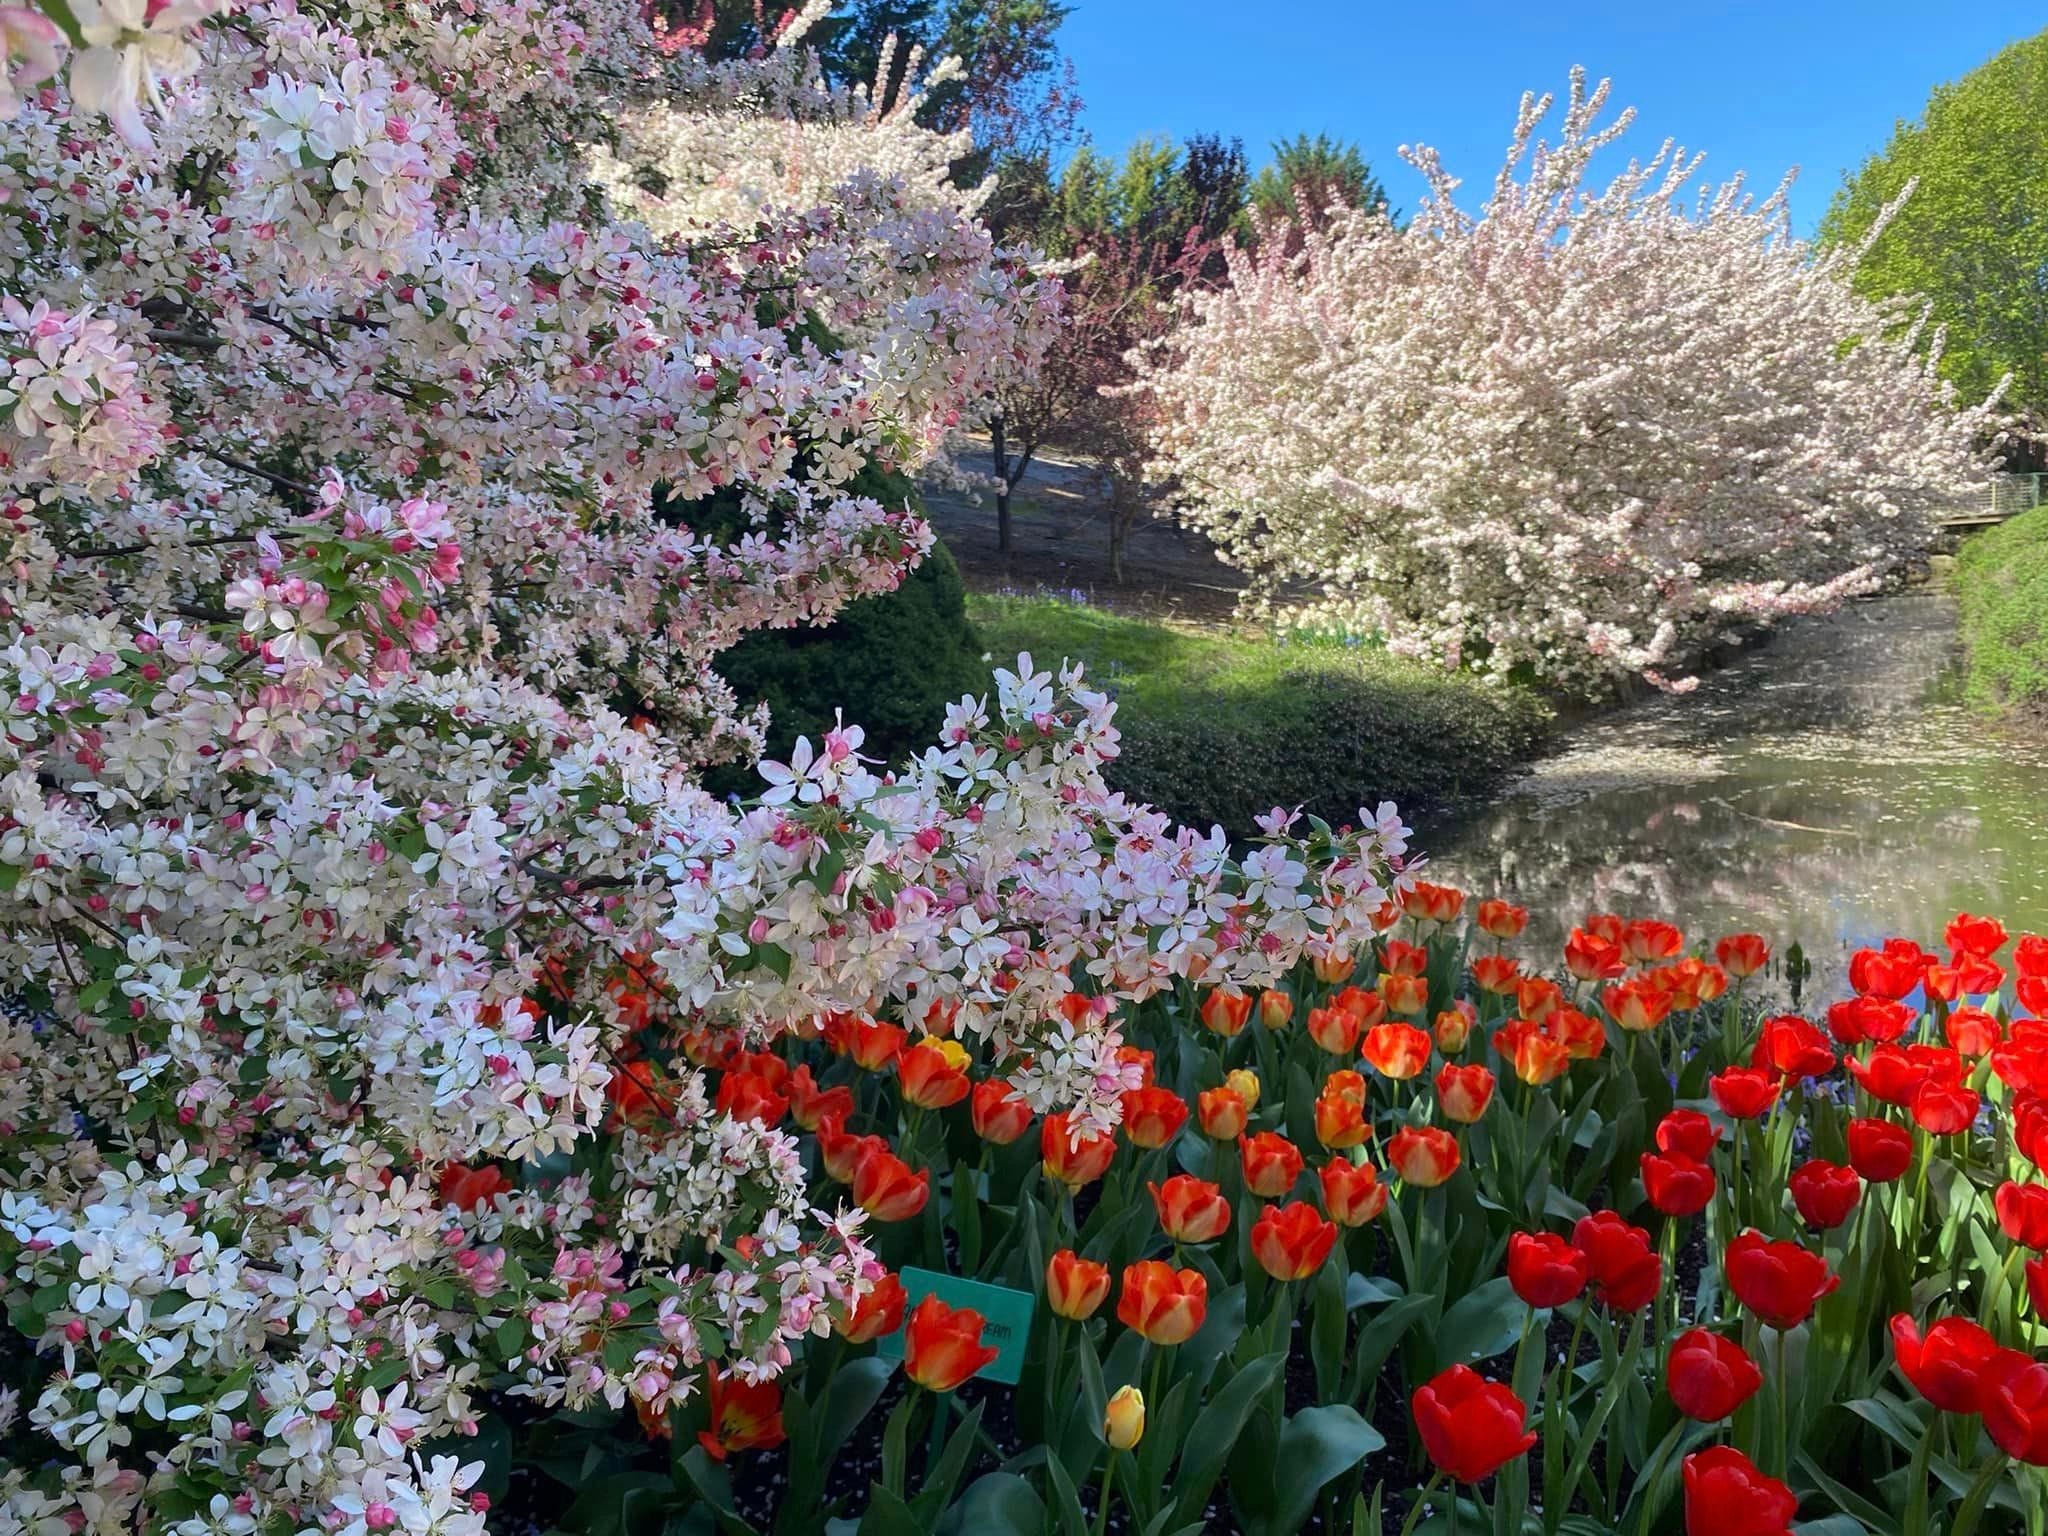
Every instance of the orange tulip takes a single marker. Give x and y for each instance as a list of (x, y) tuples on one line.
[(1345, 1084), (471, 1189), (1334, 1030), (1692, 982), (1537, 997), (1742, 954), (1271, 1164), (1222, 1113), (1590, 957), (1292, 1241), (1424, 1156), (745, 1416), (1646, 940), (1536, 1055), (1398, 1051), (875, 1314), (1454, 1028), (1432, 903), (1636, 1006), (933, 1074), (1153, 1116), (1132, 1056), (744, 1096), (840, 1151), (999, 1116), (1353, 1193), (874, 1045), (1075, 1287), (942, 1345), (1583, 1036), (810, 1106), (886, 1189), (1502, 920), (1399, 958), (1405, 994), (1225, 1011), (637, 1096), (1464, 1092), (1164, 1305), (1074, 1163), (1275, 1008), (1191, 1210), (1369, 1008), (1333, 969), (1498, 974), (1340, 1121)]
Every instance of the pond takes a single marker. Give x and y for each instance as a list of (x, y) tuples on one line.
[(1827, 788)]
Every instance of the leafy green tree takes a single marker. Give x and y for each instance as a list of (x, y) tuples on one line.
[(1973, 235), (1313, 173)]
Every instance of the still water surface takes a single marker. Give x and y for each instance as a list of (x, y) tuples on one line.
[(1826, 788)]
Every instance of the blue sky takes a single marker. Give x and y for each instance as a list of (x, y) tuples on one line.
[(1760, 87)]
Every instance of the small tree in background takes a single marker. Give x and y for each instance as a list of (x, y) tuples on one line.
[(1306, 178), (1973, 237), (1580, 436)]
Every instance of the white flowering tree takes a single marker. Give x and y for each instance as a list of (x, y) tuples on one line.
[(1578, 435), (351, 467)]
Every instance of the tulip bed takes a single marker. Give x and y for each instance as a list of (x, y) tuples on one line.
[(1433, 1238)]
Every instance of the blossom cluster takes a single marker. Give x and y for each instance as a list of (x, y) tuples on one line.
[(1585, 434), (374, 511)]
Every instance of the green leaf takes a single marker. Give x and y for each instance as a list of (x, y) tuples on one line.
[(1065, 1500), (1482, 1323), (856, 1387), (998, 1504), (940, 1480), (1316, 1445), (1216, 1430), (888, 1515)]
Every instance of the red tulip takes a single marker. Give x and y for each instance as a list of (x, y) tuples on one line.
[(1424, 1156), (1861, 1019), (1646, 940), (1891, 972), (1592, 958), (1972, 1032), (942, 1345), (1780, 1282), (1895, 1074), (2030, 1128), (1225, 1010), (1946, 1365), (1074, 1162), (1334, 1030), (933, 1074), (1470, 1426), (1742, 954), (2030, 956), (2023, 1213), (998, 1114), (1677, 1186), (1743, 1093), (1625, 1269), (840, 1151), (1791, 1047), (1075, 1288), (2037, 1286), (1879, 1150), (1709, 1377), (637, 1097), (1544, 1269), (1153, 1116), (1725, 1495), (877, 1313), (470, 1189), (1606, 925), (1271, 1164), (1163, 1304), (811, 1106), (1191, 1210), (1687, 1133), (1824, 1193), (1944, 1109), (1968, 976), (1464, 1092), (886, 1189), (1967, 935), (1353, 1193), (1222, 1113), (2015, 1406), (1502, 920), (744, 1096), (1292, 1241), (745, 1416), (874, 1045)]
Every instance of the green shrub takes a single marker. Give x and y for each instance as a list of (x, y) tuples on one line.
[(2002, 586), (1218, 728)]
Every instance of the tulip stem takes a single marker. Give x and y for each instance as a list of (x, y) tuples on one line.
[(1421, 1503), (1108, 1485), (1784, 1410)]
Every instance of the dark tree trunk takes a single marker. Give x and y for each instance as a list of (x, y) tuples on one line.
[(1002, 458)]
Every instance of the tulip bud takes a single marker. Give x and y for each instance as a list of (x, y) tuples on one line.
[(1275, 1008), (1245, 1084), (1123, 1426)]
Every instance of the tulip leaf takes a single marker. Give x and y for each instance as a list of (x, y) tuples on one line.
[(941, 1479), (1831, 1525), (1316, 1445), (965, 1210), (888, 1515), (1843, 1497), (1382, 1335), (1216, 1430), (1217, 1336), (996, 1504), (1065, 1499), (1367, 1290), (856, 1386), (1482, 1323)]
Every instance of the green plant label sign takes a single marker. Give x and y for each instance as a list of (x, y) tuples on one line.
[(1007, 1314)]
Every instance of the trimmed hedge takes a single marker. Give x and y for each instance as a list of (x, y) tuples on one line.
[(1217, 729), (2002, 587)]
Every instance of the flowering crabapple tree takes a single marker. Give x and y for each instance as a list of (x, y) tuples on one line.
[(1581, 435), (351, 462)]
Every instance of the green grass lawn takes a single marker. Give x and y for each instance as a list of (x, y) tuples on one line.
[(2001, 583), (1221, 726)]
